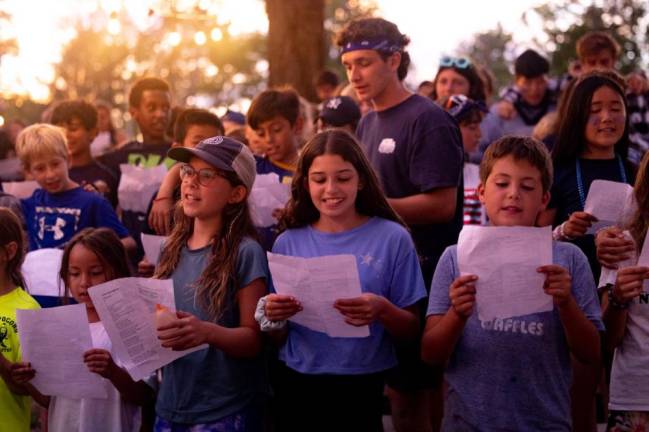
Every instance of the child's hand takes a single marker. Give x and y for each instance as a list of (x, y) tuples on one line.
[(629, 283), (558, 283), (22, 373), (363, 310), (281, 307), (185, 332), (505, 110), (100, 362), (578, 224), (462, 295), (612, 247), (145, 268), (160, 215)]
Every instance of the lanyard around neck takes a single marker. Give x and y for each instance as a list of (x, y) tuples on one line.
[(580, 181)]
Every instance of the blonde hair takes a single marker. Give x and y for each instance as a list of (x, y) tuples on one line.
[(40, 140)]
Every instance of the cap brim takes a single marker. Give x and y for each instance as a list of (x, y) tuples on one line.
[(184, 154)]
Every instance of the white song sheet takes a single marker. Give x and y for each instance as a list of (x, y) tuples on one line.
[(608, 276), (643, 260), (612, 203), (21, 189), (127, 309), (137, 185), (266, 196), (505, 260), (317, 283), (41, 272), (53, 340), (152, 245)]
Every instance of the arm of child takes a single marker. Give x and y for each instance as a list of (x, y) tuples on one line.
[(279, 308), (129, 245), (435, 206), (628, 285), (581, 335), (443, 331), (20, 374), (243, 341), (101, 362), (160, 214), (402, 323)]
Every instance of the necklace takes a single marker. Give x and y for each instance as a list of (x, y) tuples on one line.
[(580, 181)]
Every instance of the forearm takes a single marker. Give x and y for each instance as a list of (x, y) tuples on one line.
[(5, 375), (279, 336), (400, 323), (439, 340), (39, 397), (170, 181), (426, 208), (581, 335), (137, 393), (237, 342), (615, 323)]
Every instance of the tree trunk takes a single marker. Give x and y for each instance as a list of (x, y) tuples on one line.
[(296, 46)]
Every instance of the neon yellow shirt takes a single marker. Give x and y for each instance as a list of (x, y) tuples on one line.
[(16, 410)]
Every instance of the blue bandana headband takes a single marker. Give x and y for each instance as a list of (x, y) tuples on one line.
[(383, 45)]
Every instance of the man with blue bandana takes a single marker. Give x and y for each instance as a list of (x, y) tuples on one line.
[(416, 150)]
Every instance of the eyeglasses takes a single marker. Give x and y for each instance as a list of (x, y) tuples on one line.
[(205, 176), (458, 62)]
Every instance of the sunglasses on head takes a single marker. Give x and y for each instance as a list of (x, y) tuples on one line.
[(458, 62)]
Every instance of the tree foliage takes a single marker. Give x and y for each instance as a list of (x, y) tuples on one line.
[(564, 22)]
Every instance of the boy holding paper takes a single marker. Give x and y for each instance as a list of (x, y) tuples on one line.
[(511, 373)]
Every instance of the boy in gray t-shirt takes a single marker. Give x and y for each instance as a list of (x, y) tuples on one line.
[(512, 374)]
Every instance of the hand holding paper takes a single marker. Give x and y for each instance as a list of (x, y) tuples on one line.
[(610, 202), (508, 283)]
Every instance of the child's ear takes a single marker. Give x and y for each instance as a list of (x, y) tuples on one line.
[(10, 250), (299, 125), (394, 61), (238, 194), (481, 193), (545, 200)]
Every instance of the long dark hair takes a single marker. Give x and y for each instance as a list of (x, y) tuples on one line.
[(220, 273), (571, 140), (11, 231), (104, 243), (370, 200), (640, 221)]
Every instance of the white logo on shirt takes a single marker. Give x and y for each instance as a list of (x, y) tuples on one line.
[(387, 146), (367, 259)]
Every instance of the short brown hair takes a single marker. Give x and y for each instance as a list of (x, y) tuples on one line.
[(377, 28), (68, 110), (194, 116), (283, 102), (520, 148), (593, 43)]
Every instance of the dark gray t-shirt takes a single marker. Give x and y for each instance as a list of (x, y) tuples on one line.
[(207, 385), (512, 374), (415, 147)]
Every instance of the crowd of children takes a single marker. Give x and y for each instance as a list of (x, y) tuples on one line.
[(387, 176)]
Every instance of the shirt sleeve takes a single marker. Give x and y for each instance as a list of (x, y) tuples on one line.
[(407, 283), (436, 158), (445, 274), (106, 217), (583, 287), (251, 263)]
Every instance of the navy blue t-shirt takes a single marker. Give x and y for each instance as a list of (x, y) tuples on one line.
[(53, 219), (146, 156), (565, 196), (96, 172), (416, 147)]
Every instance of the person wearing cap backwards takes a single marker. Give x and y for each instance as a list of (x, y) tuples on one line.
[(469, 114), (415, 149), (219, 273), (339, 112)]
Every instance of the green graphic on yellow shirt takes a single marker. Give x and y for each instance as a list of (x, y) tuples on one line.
[(4, 334)]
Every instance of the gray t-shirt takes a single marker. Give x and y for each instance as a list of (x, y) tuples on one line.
[(512, 374), (207, 385)]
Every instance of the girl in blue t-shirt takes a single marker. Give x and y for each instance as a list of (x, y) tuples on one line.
[(218, 274), (592, 144), (337, 207)]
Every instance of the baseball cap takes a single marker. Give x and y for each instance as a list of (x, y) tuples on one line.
[(223, 153), (234, 117), (460, 106), (339, 111)]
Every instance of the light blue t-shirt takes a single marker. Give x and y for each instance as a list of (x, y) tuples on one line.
[(387, 266), (207, 385), (512, 374)]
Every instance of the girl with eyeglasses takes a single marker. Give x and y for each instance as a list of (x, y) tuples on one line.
[(219, 273)]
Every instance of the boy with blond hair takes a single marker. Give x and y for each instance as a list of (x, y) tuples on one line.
[(512, 374), (60, 208)]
